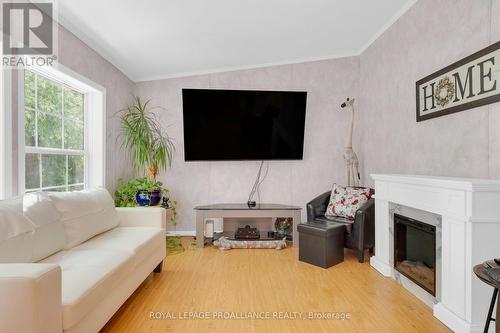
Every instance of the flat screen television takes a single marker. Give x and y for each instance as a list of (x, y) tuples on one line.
[(224, 125)]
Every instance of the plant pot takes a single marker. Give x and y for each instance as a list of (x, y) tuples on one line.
[(143, 198), (154, 197)]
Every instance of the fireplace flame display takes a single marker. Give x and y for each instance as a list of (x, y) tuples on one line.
[(415, 251)]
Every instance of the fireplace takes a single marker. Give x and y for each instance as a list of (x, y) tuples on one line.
[(466, 216), (415, 251)]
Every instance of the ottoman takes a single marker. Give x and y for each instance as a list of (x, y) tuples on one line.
[(321, 243)]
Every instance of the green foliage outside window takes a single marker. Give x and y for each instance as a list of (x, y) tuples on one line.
[(54, 118)]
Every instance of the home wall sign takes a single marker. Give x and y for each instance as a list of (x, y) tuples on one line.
[(468, 83)]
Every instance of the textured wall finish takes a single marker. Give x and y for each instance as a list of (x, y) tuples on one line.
[(428, 37), (328, 83), (75, 54), (494, 114)]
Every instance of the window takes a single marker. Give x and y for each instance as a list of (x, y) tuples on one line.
[(61, 133), (54, 135)]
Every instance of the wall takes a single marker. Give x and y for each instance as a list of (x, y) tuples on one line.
[(494, 113), (328, 83), (429, 36), (75, 54)]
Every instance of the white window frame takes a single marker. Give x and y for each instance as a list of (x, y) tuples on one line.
[(5, 132), (6, 155), (94, 125)]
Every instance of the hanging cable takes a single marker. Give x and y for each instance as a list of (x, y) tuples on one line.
[(263, 178), (256, 185)]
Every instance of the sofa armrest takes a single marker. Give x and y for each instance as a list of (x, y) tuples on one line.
[(142, 217), (317, 206), (31, 298)]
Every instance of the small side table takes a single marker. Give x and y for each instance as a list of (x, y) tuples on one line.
[(480, 272)]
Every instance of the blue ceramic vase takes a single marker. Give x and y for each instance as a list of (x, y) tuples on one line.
[(143, 198)]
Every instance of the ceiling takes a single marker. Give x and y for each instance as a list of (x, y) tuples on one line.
[(158, 39)]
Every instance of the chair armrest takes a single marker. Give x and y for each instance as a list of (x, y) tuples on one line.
[(317, 206), (367, 208), (142, 217), (363, 229), (31, 298)]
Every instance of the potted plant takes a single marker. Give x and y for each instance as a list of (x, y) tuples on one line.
[(149, 148), (283, 226), (127, 194), (149, 192)]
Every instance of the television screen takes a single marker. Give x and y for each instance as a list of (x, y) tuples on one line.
[(222, 125)]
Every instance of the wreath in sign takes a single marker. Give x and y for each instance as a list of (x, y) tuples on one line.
[(448, 86)]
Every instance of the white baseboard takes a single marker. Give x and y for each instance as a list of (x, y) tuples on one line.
[(457, 324), (185, 233), (447, 317), (380, 266)]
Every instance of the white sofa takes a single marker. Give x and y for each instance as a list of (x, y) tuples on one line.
[(69, 260)]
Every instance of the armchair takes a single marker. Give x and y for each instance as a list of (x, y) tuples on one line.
[(360, 234)]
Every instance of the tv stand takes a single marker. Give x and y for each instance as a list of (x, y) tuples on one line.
[(229, 210)]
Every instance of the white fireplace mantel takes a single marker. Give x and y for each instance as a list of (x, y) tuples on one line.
[(470, 217)]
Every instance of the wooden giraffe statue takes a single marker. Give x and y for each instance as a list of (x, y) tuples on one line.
[(350, 158)]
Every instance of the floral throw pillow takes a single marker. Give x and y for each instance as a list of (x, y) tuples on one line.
[(345, 201)]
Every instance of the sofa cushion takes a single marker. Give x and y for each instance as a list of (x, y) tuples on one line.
[(87, 277), (84, 214), (48, 236), (345, 201), (15, 232), (141, 241)]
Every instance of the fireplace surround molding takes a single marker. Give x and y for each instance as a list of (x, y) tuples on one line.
[(470, 234)]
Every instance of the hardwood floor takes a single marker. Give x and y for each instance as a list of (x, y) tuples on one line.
[(267, 281)]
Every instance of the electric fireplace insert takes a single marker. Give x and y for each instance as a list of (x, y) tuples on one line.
[(415, 251)]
